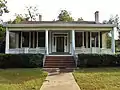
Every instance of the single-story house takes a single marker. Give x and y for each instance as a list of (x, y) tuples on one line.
[(59, 38)]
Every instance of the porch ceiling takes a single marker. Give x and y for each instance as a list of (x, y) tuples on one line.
[(66, 26), (59, 29), (61, 25)]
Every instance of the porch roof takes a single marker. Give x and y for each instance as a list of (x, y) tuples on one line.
[(60, 24)]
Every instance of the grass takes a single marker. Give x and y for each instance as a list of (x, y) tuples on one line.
[(21, 79), (98, 78)]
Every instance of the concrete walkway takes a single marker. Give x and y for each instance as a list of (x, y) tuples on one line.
[(62, 81)]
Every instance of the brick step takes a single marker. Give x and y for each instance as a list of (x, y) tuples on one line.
[(62, 64), (59, 57), (59, 61), (59, 66)]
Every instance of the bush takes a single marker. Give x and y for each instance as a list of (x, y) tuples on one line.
[(98, 60), (21, 60)]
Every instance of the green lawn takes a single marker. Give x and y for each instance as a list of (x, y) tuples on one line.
[(21, 79), (98, 78)]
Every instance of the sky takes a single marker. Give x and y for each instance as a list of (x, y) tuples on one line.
[(49, 9)]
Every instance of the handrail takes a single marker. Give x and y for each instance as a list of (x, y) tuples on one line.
[(44, 57), (75, 57)]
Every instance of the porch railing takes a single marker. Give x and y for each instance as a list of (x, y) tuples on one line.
[(93, 50), (75, 57), (44, 57), (27, 50)]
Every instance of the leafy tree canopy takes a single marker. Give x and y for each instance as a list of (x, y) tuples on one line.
[(65, 16), (2, 32), (80, 19), (3, 7), (113, 20), (19, 18)]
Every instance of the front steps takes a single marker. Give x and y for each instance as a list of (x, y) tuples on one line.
[(59, 62)]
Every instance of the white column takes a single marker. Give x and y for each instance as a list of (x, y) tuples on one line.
[(73, 41), (113, 40), (50, 43), (99, 38), (7, 41), (46, 41), (90, 42)]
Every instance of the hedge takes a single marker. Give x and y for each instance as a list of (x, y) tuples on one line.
[(21, 60), (98, 60)]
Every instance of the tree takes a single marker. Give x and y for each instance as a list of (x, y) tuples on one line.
[(65, 16), (80, 19), (113, 20), (2, 32), (108, 41), (3, 7), (31, 13), (19, 18)]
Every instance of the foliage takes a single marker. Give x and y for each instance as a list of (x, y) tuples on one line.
[(2, 32), (98, 60), (29, 15), (21, 60), (22, 79), (108, 41), (98, 78), (32, 12), (80, 19), (3, 7), (19, 18), (114, 20), (65, 16)]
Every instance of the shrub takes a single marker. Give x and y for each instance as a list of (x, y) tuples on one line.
[(98, 60), (21, 60)]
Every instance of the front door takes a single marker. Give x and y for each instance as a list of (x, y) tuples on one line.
[(60, 44)]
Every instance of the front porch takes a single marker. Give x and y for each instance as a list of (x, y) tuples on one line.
[(60, 42)]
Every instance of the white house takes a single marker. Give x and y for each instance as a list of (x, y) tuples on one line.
[(61, 38)]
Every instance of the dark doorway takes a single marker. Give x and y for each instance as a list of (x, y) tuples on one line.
[(60, 44)]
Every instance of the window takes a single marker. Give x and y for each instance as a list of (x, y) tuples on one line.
[(25, 39), (78, 39), (12, 40), (41, 39), (19, 39), (88, 39), (33, 39), (94, 37), (100, 39), (85, 39)]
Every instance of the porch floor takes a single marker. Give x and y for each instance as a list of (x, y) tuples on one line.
[(60, 53)]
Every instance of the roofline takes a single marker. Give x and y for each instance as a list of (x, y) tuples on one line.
[(59, 25)]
